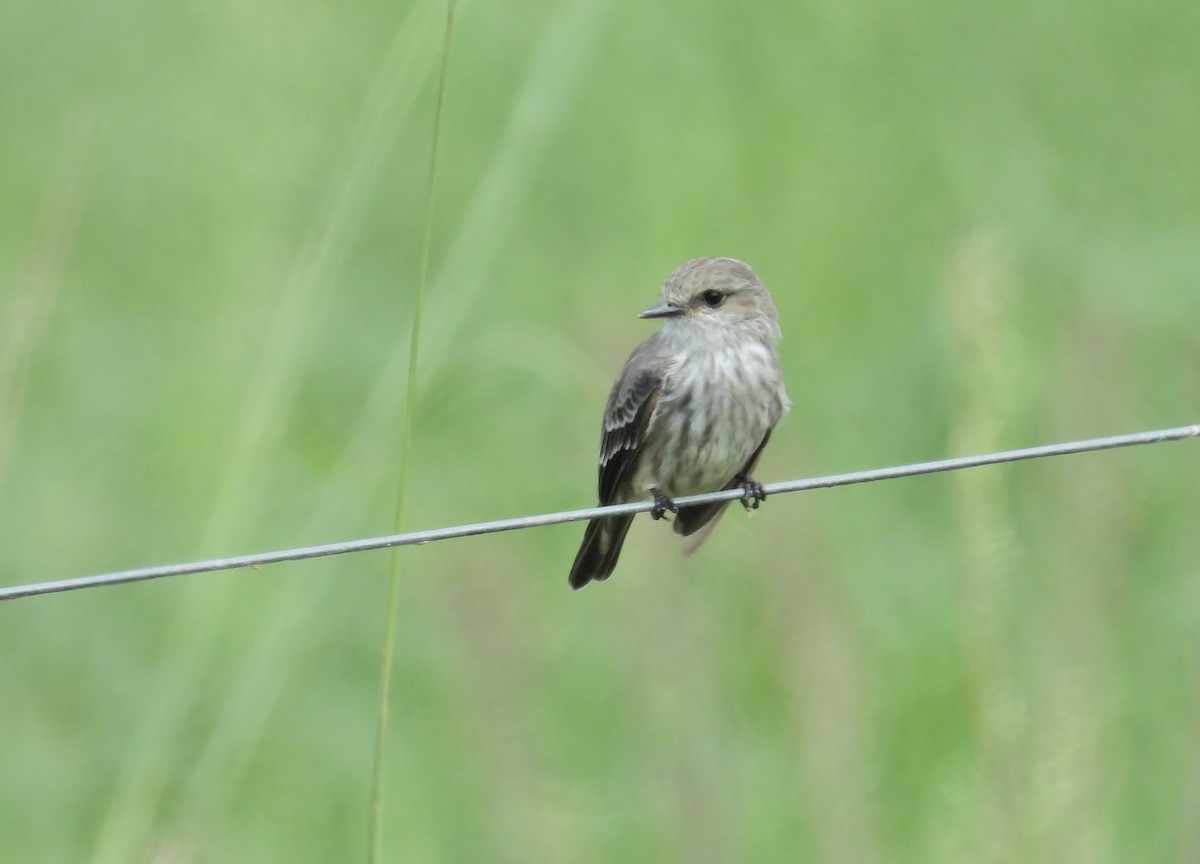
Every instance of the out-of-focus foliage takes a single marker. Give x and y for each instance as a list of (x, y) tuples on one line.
[(981, 223)]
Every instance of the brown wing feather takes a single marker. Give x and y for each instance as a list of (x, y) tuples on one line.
[(630, 409), (627, 417)]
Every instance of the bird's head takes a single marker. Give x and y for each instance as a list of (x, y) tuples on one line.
[(716, 294)]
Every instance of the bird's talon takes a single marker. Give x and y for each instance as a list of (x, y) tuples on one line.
[(662, 503), (753, 493)]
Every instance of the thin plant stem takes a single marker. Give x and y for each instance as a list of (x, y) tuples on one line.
[(375, 839)]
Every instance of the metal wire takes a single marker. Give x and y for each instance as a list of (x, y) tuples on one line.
[(417, 538)]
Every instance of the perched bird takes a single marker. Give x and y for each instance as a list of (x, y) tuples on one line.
[(692, 408)]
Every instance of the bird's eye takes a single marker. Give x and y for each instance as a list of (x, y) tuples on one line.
[(712, 299)]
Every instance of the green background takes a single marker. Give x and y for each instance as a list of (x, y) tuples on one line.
[(981, 224)]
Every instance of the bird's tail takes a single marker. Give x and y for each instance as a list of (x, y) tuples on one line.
[(597, 556), (696, 523)]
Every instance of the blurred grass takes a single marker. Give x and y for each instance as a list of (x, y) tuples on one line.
[(980, 224)]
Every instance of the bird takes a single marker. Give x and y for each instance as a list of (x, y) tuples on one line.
[(692, 409)]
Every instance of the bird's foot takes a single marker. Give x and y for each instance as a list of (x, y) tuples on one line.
[(662, 503), (753, 492)]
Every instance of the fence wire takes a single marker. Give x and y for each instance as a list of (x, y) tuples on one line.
[(417, 538)]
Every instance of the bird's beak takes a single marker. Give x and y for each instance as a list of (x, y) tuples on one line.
[(662, 309)]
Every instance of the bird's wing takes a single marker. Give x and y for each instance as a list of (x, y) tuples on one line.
[(630, 409)]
